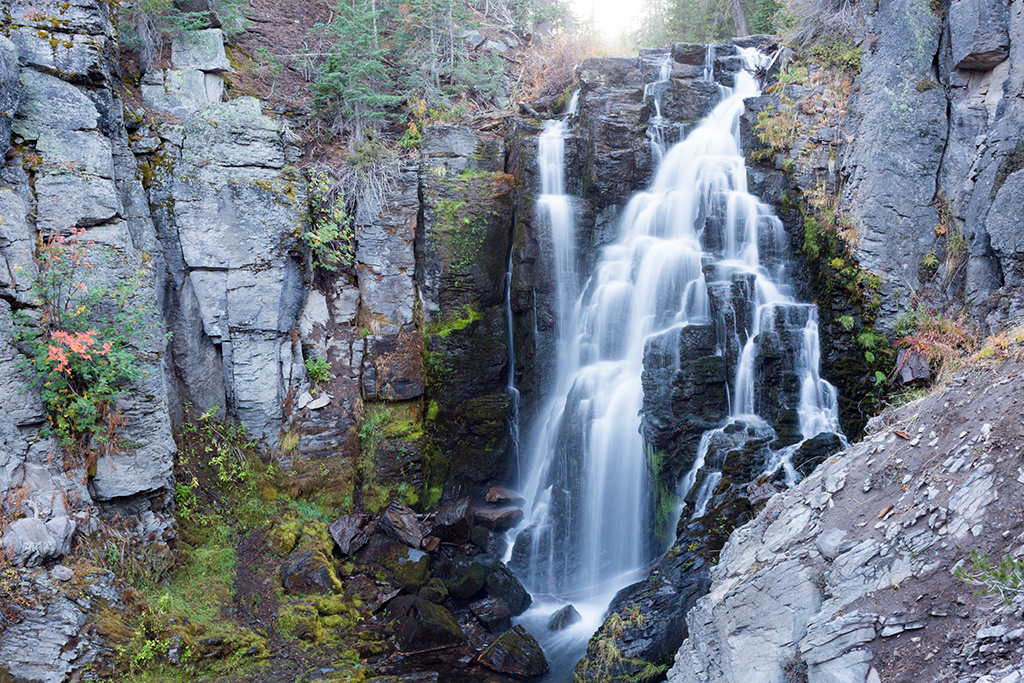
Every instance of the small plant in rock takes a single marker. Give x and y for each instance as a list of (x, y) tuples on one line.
[(81, 353), (319, 370), (1005, 579)]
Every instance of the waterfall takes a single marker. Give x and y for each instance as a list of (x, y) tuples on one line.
[(693, 237)]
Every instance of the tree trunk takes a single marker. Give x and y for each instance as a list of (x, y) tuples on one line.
[(739, 19)]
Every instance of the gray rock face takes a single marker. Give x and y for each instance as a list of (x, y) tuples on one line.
[(891, 194), (10, 91), (232, 246), (52, 641), (81, 175), (785, 582), (202, 50), (979, 33)]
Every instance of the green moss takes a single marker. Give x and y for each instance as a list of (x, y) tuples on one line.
[(301, 622)]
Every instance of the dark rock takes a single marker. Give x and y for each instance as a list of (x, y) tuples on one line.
[(421, 625), (502, 583), (407, 567), (515, 652), (500, 496), (434, 591), (912, 368), (564, 618), (453, 523), (815, 451), (463, 579), (689, 53), (308, 571), (758, 40), (493, 613), (401, 523), (347, 531), (690, 100), (397, 366), (498, 518)]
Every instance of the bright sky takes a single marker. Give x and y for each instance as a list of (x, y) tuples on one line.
[(611, 16)]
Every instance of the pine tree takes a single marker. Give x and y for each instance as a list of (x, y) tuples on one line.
[(354, 87)]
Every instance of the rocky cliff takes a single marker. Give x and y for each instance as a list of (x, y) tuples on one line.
[(848, 576)]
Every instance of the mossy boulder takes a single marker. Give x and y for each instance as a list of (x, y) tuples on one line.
[(422, 625), (309, 571), (302, 622), (406, 567), (515, 652)]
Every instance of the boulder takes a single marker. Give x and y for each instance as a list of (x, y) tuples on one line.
[(502, 583), (515, 652), (564, 618), (493, 613), (979, 33), (422, 625), (30, 541), (407, 567), (347, 531), (504, 497), (498, 518), (453, 523), (401, 523), (912, 368), (308, 571), (463, 579)]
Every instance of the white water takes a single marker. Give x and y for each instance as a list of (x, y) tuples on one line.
[(589, 518)]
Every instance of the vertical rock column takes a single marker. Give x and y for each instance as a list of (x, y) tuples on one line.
[(230, 211), (70, 167)]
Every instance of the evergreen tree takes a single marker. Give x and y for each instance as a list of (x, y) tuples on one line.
[(354, 87)]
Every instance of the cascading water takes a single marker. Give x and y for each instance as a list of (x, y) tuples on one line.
[(590, 517)]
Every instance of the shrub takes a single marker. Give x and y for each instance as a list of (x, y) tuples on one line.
[(318, 369), (80, 352), (1013, 162), (1006, 578), (330, 236)]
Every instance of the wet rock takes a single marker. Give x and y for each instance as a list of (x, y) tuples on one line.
[(515, 652), (407, 567), (498, 518), (689, 53), (347, 531), (564, 618), (434, 591), (463, 579), (421, 625), (815, 451), (308, 571), (502, 583), (453, 523), (504, 497), (493, 613), (401, 523)]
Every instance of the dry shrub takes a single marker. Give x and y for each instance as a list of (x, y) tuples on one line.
[(813, 18), (945, 342), (1006, 345), (547, 67)]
